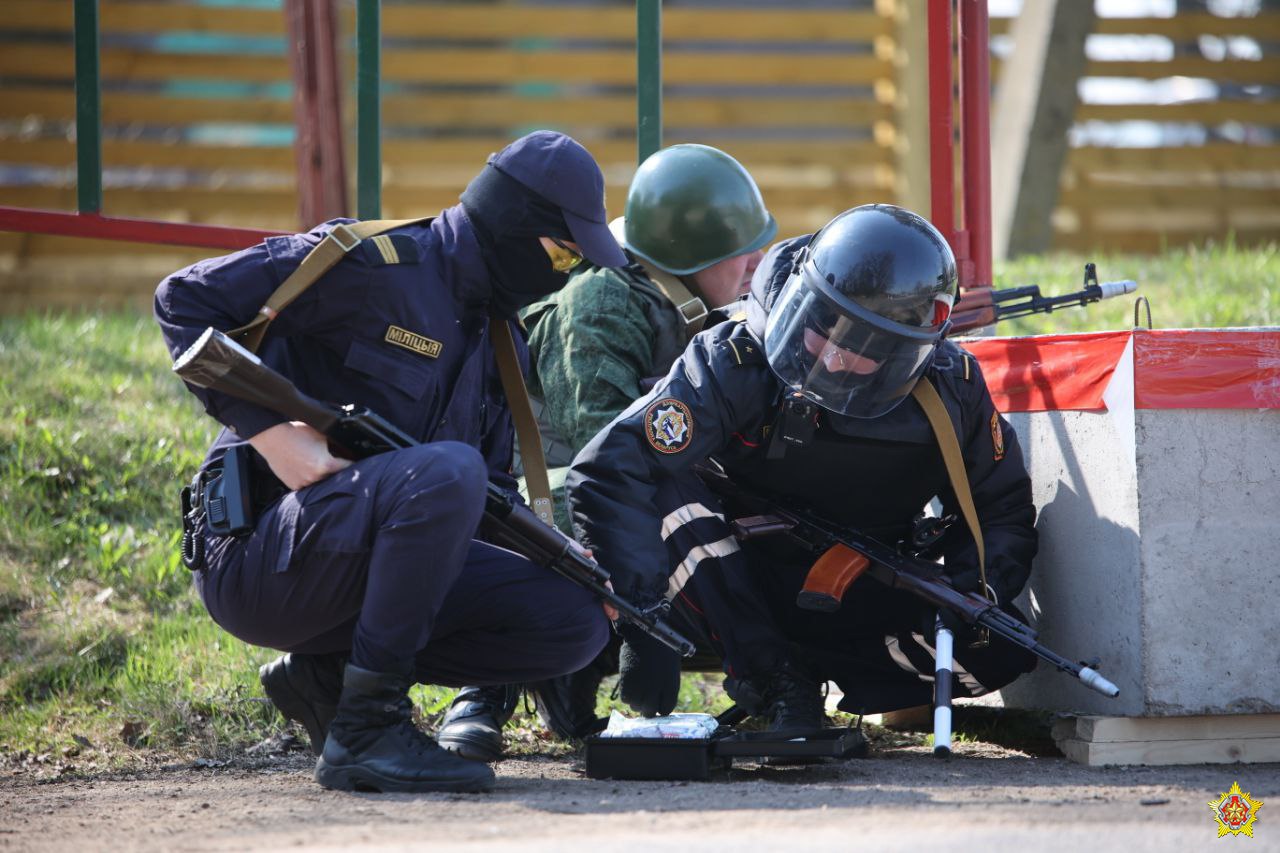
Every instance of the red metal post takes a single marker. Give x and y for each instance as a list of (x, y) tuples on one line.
[(941, 154), (321, 166), (131, 230), (975, 131)]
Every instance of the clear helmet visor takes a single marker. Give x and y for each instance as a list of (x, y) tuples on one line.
[(840, 355)]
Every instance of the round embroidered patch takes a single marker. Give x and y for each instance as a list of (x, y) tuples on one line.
[(668, 425)]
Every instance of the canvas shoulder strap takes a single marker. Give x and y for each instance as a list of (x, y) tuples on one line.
[(945, 432), (527, 432), (693, 311), (324, 257)]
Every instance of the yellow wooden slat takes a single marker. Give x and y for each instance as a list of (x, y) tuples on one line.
[(1201, 112), (1144, 198), (1265, 70), (474, 21), (134, 152), (203, 203), (455, 111), (1183, 27), (57, 62), (1221, 156), (454, 65), (127, 107), (1148, 243), (143, 17), (1186, 26), (464, 111), (450, 161), (467, 21), (618, 67), (474, 151)]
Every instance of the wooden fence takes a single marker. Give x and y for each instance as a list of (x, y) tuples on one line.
[(197, 119)]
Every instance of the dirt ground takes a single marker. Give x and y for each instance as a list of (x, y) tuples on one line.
[(900, 798)]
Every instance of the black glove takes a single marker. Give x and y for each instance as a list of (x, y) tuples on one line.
[(648, 673)]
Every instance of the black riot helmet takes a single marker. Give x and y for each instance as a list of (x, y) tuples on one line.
[(861, 314)]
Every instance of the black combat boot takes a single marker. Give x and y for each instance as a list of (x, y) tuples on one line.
[(473, 725), (567, 704), (791, 701), (306, 689), (373, 744)]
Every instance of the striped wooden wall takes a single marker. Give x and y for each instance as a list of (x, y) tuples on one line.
[(197, 119)]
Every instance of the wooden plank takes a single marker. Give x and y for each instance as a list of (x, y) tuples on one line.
[(409, 158), (1197, 112), (1187, 26), (1230, 70), (1098, 729), (57, 62), (251, 207), (134, 152), (130, 107), (1153, 242), (456, 20), (143, 17), (1165, 198), (462, 111), (1167, 752), (474, 21), (474, 151), (460, 65), (618, 67), (1221, 156), (1183, 27)]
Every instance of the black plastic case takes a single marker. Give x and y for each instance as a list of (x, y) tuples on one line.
[(698, 758), (652, 758)]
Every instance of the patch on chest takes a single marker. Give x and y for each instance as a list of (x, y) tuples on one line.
[(413, 342), (668, 425)]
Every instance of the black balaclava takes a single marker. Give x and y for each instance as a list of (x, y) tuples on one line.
[(509, 218)]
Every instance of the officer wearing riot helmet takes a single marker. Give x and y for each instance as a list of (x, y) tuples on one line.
[(694, 229), (809, 399), (367, 573)]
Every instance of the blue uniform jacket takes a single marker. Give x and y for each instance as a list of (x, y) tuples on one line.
[(399, 325), (721, 400)]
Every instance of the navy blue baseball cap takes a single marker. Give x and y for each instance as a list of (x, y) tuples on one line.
[(560, 170)]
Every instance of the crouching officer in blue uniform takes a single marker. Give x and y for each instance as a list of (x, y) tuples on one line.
[(373, 563), (809, 399)]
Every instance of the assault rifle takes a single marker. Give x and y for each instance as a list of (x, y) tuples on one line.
[(846, 554), (215, 361), (984, 306)]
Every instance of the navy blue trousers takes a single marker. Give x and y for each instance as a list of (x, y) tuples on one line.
[(740, 599), (379, 559)]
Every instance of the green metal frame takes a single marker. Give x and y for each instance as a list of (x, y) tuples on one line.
[(648, 78), (368, 109), (88, 222), (88, 108)]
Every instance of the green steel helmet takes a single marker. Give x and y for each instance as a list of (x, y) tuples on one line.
[(691, 206)]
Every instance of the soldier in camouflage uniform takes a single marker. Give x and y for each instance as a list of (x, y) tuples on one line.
[(694, 229)]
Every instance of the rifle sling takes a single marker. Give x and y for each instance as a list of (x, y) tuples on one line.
[(693, 311), (324, 257), (527, 433), (945, 432)]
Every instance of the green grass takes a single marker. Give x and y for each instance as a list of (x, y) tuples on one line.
[(106, 655), (1215, 286)]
